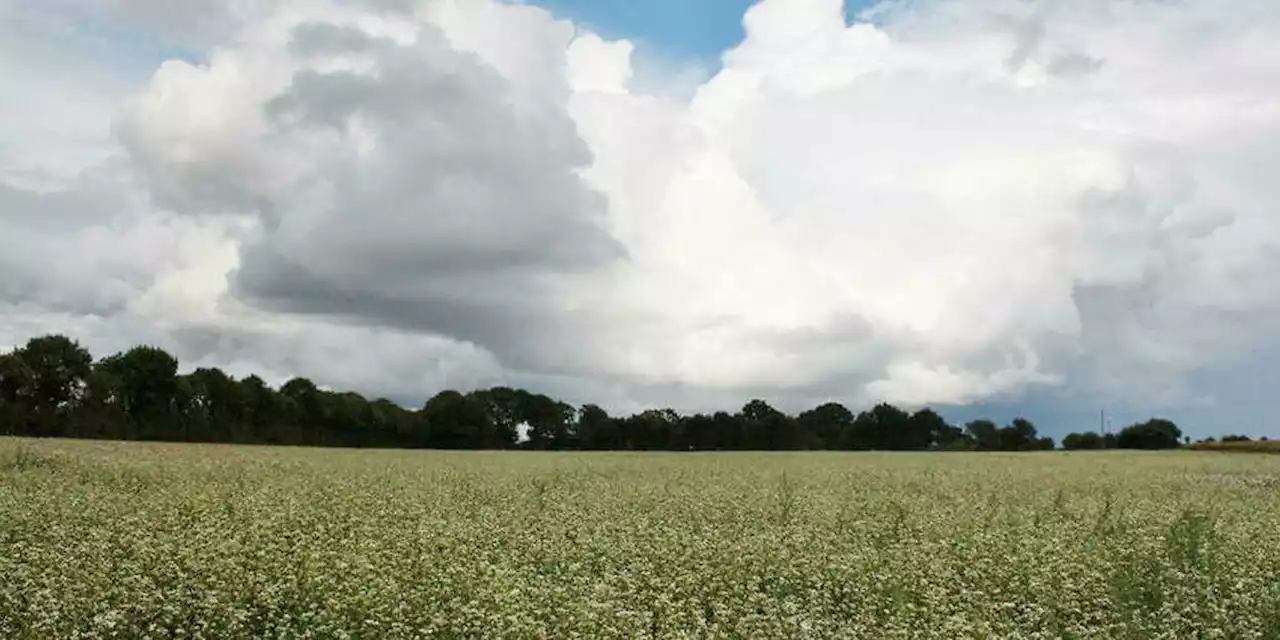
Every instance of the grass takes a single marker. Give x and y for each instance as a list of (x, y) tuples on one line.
[(106, 540)]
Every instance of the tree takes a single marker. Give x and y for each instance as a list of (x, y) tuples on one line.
[(1088, 440), (651, 430), (305, 405), (767, 428), (1018, 436), (17, 380), (728, 430), (58, 368), (698, 431), (926, 429), (17, 394), (348, 419), (549, 421), (454, 421), (101, 414), (51, 387), (829, 425), (1156, 433), (392, 425), (262, 411), (219, 403), (884, 426), (596, 430), (148, 388), (505, 408), (985, 435)]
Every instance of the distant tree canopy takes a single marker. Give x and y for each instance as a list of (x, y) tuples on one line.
[(1152, 434), (1156, 433), (52, 387)]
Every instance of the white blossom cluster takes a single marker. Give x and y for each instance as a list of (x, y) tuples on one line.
[(105, 540)]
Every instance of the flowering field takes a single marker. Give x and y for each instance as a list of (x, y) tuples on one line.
[(103, 540)]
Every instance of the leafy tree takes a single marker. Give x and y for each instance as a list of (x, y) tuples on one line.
[(148, 389), (391, 424), (549, 421), (1156, 433), (263, 411), (926, 429), (596, 430), (1018, 436), (17, 394), (51, 387), (884, 427), (218, 406), (348, 420), (729, 431), (17, 380), (101, 413), (454, 421), (306, 420), (767, 428), (698, 431), (957, 440), (651, 430), (58, 370), (985, 435), (505, 408), (830, 425), (1088, 440)]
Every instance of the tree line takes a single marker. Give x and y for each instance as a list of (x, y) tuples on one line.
[(52, 387), (1153, 434)]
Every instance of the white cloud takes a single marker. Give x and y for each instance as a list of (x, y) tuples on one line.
[(907, 174), (952, 202)]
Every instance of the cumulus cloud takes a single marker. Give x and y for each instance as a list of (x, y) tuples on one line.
[(995, 221), (945, 201)]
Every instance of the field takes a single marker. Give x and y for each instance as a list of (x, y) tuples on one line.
[(1239, 446), (103, 540)]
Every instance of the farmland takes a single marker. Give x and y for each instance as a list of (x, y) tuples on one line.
[(124, 540), (1238, 446)]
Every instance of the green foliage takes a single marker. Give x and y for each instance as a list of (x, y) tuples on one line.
[(1152, 434), (58, 367), (830, 425), (985, 435), (1088, 440), (52, 388), (146, 387)]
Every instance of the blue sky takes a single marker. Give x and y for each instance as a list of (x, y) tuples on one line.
[(698, 29)]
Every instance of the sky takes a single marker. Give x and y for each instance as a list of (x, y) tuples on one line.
[(695, 32), (998, 208)]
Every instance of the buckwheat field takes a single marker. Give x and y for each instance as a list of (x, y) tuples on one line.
[(103, 540)]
